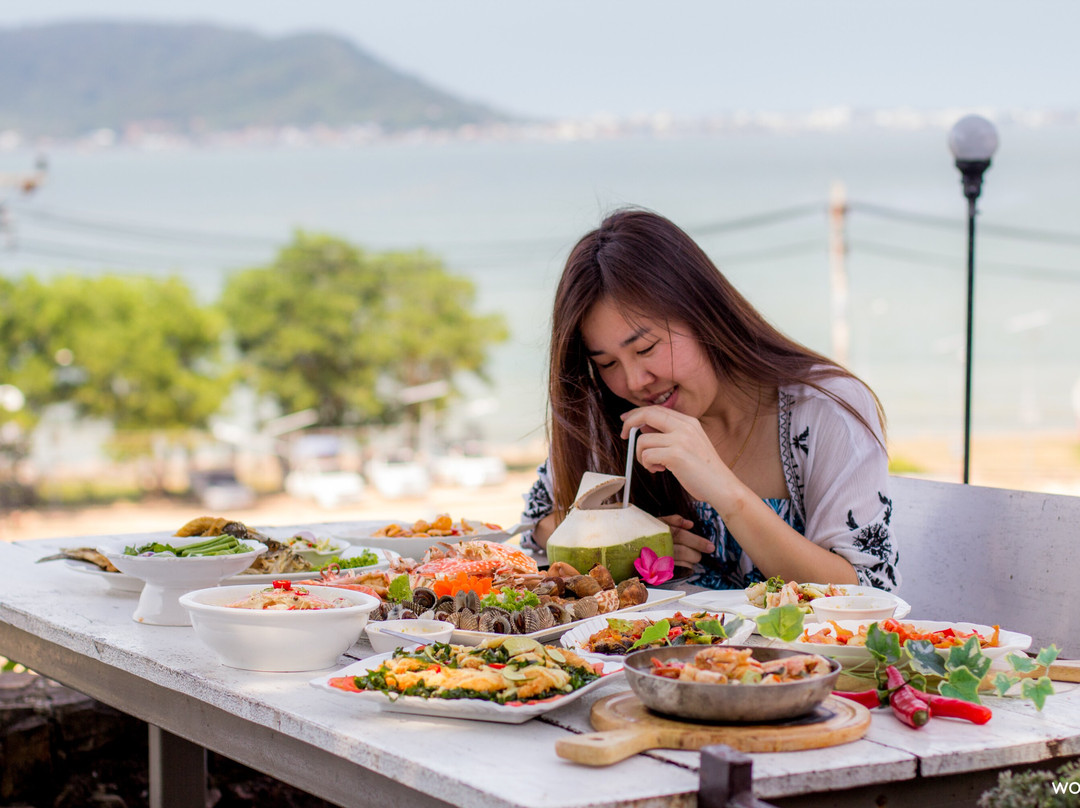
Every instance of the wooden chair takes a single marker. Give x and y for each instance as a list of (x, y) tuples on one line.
[(990, 556)]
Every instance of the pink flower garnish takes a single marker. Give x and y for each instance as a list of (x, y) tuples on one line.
[(654, 569)]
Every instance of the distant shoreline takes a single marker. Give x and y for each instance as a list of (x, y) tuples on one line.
[(660, 124)]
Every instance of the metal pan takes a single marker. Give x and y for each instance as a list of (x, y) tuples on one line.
[(698, 701)]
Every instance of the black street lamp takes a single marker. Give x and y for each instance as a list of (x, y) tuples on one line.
[(972, 141)]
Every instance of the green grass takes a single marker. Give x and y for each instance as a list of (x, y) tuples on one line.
[(87, 492), (902, 465)]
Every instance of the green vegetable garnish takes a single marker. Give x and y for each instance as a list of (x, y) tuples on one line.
[(782, 622), (399, 589), (365, 559), (511, 600)]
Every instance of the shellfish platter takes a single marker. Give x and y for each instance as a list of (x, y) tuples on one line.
[(472, 709), (656, 597)]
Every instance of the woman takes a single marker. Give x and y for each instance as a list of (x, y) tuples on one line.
[(766, 459)]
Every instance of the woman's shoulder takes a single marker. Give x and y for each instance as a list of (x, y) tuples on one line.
[(821, 399)]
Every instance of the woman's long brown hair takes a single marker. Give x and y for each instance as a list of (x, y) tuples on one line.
[(649, 267)]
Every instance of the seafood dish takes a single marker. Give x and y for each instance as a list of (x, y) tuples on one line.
[(90, 555), (777, 592), (487, 588), (845, 640), (283, 596), (941, 638), (278, 558), (517, 599), (442, 526), (737, 666), (506, 671), (628, 632)]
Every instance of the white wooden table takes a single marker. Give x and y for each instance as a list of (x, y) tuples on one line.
[(70, 627)]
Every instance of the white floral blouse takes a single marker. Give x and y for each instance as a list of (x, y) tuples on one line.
[(838, 484)]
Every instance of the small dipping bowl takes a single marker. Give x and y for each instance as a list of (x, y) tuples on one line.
[(866, 608), (425, 631), (316, 558)]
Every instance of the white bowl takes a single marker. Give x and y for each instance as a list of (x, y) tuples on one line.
[(272, 640), (853, 607), (425, 631), (169, 577)]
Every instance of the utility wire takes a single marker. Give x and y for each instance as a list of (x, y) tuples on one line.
[(952, 223), (771, 253), (153, 232), (924, 257), (220, 240), (91, 254), (758, 219)]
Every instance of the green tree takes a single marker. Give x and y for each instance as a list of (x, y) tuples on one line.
[(139, 352), (327, 325)]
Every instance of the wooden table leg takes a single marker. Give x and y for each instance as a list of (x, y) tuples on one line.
[(177, 771)]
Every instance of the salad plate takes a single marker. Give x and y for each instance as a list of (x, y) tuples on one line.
[(577, 637), (471, 709), (734, 600), (1009, 642), (167, 577), (657, 597), (416, 546)]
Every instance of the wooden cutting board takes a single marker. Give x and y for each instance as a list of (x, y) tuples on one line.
[(626, 727)]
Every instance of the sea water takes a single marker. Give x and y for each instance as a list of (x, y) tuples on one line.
[(505, 213)]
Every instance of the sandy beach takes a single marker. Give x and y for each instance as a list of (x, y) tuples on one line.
[(1048, 462)]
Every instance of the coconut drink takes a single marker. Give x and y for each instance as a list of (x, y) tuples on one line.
[(595, 532)]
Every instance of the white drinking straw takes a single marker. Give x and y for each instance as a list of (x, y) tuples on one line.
[(631, 440)]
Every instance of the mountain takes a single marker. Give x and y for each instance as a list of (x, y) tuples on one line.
[(71, 78)]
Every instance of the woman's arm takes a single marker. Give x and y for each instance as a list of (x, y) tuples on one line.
[(679, 444)]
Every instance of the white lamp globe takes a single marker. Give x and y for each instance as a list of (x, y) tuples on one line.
[(973, 139)]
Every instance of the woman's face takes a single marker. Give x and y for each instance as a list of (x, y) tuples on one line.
[(647, 361)]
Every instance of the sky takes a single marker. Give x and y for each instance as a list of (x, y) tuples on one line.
[(688, 58)]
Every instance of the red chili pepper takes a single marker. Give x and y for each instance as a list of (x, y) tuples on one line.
[(675, 632), (906, 701), (282, 584), (958, 708), (867, 698)]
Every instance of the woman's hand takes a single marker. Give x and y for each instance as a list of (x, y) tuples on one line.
[(689, 547), (672, 441)]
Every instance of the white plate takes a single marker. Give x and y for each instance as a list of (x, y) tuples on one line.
[(734, 600), (1009, 642), (473, 709), (577, 637), (415, 546), (116, 581), (657, 597), (119, 582)]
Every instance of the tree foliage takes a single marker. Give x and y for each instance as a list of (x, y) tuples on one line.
[(139, 352), (328, 325)]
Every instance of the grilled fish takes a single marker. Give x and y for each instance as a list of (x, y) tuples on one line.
[(87, 554)]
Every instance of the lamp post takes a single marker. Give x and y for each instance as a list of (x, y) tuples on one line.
[(972, 141)]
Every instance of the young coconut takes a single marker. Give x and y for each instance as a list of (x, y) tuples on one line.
[(608, 534)]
